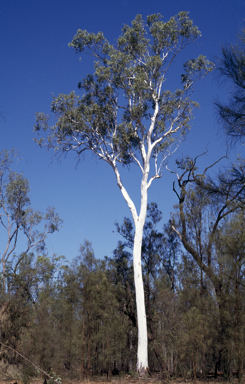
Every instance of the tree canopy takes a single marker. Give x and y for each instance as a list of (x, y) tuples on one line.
[(125, 106)]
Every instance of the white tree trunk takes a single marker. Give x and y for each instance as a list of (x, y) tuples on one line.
[(139, 222), (142, 356)]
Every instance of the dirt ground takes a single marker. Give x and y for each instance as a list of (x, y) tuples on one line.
[(134, 381), (127, 380)]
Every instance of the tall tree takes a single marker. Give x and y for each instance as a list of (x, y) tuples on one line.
[(127, 116)]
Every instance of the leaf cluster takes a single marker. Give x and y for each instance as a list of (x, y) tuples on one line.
[(125, 93)]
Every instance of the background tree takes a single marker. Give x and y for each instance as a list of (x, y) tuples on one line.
[(231, 68), (16, 216), (230, 257), (126, 116), (17, 219), (87, 313), (120, 274), (203, 208), (197, 308)]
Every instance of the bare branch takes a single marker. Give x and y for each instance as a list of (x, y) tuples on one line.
[(29, 361)]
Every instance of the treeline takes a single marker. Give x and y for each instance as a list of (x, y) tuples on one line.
[(79, 318)]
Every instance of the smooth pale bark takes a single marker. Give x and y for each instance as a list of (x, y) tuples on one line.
[(142, 356), (139, 222)]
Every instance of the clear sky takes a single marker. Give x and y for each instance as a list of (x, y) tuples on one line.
[(36, 62)]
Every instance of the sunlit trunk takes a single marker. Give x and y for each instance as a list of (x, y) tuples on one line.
[(142, 356), (139, 222)]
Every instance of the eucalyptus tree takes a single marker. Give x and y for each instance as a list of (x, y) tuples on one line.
[(126, 115)]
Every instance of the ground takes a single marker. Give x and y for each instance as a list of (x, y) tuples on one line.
[(127, 380)]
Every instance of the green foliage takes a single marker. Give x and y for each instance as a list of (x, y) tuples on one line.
[(19, 274), (209, 225), (124, 97), (16, 214), (87, 311), (231, 67)]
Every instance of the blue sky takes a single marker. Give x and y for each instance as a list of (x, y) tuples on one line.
[(36, 62)]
